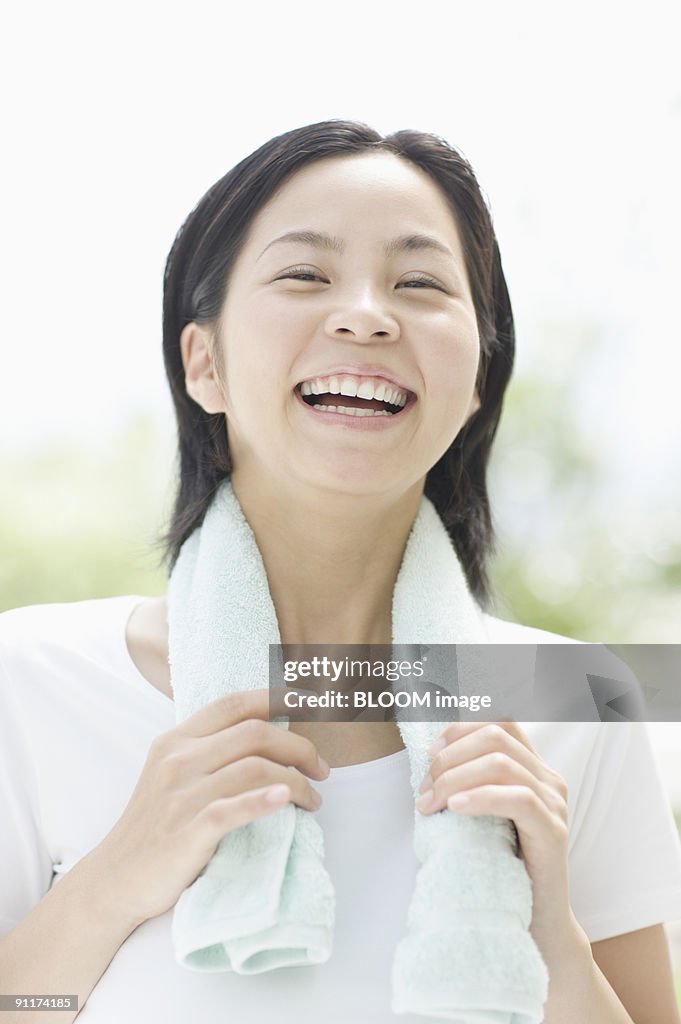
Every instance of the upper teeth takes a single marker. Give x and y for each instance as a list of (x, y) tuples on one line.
[(355, 387)]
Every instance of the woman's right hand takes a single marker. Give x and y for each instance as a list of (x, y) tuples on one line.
[(220, 768)]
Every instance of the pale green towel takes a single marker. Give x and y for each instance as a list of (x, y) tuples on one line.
[(265, 899)]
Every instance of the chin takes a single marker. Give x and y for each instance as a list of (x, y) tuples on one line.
[(356, 481)]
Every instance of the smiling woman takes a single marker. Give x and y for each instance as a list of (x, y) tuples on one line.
[(336, 289), (366, 247), (338, 338)]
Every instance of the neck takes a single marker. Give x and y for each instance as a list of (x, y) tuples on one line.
[(331, 559)]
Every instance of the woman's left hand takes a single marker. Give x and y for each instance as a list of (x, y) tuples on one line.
[(492, 768)]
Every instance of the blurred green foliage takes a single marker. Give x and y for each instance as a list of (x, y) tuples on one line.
[(573, 557), (82, 520)]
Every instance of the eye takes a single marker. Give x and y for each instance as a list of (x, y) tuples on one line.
[(422, 281), (300, 274)]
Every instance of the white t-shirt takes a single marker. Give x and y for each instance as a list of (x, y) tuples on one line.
[(76, 722)]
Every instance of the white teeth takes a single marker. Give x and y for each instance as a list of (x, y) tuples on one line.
[(349, 411), (365, 388), (348, 387)]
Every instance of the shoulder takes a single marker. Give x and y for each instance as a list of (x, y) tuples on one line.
[(51, 620), (502, 631), (64, 666), (33, 633)]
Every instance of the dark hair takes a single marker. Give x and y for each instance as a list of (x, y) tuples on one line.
[(195, 284)]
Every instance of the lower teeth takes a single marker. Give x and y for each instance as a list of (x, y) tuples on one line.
[(352, 411)]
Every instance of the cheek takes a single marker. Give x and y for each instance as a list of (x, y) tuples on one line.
[(261, 343), (452, 356), (278, 332)]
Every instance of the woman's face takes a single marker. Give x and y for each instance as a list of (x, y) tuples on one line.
[(350, 290)]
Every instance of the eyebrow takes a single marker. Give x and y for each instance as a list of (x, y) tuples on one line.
[(404, 243)]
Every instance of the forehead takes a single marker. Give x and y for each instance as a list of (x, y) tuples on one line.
[(367, 194)]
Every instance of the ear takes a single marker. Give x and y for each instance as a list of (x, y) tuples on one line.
[(474, 406), (201, 380)]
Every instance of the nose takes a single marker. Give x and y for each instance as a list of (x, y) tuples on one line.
[(363, 320)]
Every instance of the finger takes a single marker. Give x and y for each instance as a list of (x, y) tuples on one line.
[(227, 813), (531, 817), (231, 708), (489, 769), (256, 736), (487, 738), (455, 730), (256, 773)]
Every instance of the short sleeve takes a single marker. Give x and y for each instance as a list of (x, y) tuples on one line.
[(25, 864), (625, 862)]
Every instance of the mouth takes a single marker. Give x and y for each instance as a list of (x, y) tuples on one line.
[(355, 396)]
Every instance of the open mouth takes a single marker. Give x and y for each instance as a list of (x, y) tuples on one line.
[(353, 397)]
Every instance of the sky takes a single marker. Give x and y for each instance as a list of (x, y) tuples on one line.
[(118, 118)]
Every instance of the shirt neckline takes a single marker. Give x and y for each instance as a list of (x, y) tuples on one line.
[(352, 771)]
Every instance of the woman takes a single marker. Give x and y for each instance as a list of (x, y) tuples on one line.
[(338, 339)]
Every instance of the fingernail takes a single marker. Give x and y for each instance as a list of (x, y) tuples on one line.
[(316, 799), (425, 801), (323, 766), (426, 784), (436, 747)]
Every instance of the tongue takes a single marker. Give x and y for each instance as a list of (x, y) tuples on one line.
[(349, 401)]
